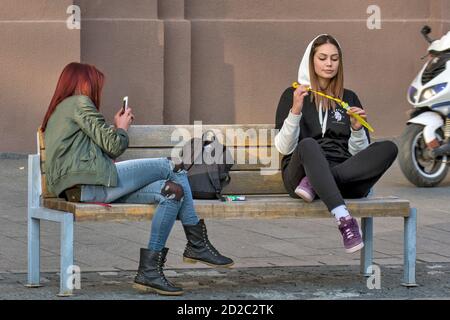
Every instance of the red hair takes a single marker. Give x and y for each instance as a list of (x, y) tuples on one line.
[(76, 79)]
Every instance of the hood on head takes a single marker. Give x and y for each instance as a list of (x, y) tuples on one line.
[(303, 70)]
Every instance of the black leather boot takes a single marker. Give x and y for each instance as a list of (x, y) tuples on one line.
[(199, 249), (150, 276)]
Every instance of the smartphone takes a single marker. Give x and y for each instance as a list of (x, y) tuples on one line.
[(125, 103)]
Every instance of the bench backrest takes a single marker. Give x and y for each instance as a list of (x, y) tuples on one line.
[(257, 161)]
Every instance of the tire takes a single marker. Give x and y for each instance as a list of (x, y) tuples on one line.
[(413, 156)]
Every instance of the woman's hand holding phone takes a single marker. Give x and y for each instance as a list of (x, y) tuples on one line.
[(125, 103), (124, 117)]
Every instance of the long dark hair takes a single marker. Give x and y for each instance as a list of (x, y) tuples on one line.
[(76, 78)]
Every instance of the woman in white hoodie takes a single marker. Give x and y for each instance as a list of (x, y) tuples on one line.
[(327, 153)]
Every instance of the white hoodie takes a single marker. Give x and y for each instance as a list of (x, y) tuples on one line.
[(287, 139)]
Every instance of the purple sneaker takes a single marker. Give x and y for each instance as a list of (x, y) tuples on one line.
[(351, 235), (305, 190)]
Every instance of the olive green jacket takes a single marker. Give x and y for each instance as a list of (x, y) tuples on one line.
[(80, 146)]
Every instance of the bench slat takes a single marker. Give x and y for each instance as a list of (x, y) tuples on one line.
[(252, 182), (249, 158), (256, 207), (242, 182), (137, 153), (160, 135)]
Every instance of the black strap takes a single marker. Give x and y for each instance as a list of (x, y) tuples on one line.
[(215, 182), (203, 140), (193, 158)]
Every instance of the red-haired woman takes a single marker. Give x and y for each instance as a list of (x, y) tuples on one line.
[(80, 149)]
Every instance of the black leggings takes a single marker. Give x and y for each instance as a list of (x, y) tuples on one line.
[(332, 182)]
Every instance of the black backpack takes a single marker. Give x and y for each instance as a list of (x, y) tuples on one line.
[(208, 164)]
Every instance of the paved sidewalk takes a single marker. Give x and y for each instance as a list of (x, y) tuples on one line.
[(301, 245), (328, 282)]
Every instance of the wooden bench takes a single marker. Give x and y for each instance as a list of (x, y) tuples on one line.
[(266, 196)]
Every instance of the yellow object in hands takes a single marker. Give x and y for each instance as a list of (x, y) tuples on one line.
[(343, 104)]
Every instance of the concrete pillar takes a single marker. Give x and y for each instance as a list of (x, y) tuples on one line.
[(125, 40), (177, 62), (35, 46)]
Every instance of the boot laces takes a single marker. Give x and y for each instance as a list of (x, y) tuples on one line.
[(160, 269), (208, 244)]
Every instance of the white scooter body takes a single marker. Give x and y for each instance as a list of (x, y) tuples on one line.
[(434, 94)]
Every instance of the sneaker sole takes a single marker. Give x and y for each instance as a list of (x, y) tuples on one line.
[(304, 195), (355, 248), (147, 289), (194, 261)]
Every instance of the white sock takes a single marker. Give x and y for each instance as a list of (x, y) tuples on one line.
[(340, 212)]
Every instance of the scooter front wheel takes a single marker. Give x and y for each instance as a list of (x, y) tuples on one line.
[(415, 160)]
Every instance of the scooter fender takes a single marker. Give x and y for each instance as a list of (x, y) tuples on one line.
[(432, 121)]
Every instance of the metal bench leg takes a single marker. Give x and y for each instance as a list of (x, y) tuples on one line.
[(34, 223), (409, 255), (33, 252), (66, 276), (367, 250)]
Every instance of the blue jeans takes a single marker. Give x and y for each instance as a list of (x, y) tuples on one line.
[(141, 181)]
